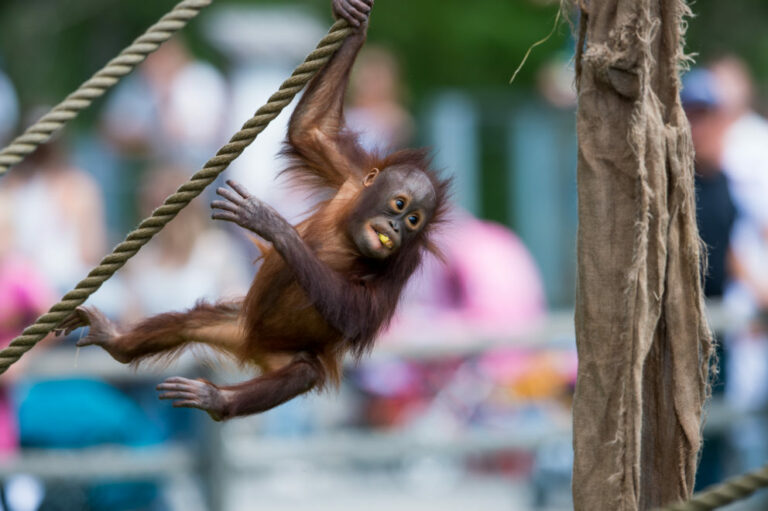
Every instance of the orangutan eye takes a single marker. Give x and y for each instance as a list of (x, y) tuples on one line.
[(398, 204), (413, 220)]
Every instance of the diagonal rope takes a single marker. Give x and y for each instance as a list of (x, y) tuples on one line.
[(40, 132), (733, 489), (177, 201)]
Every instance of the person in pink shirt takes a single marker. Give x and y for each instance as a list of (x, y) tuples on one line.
[(24, 295), (487, 284)]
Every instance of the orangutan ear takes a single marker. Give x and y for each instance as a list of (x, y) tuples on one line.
[(368, 180)]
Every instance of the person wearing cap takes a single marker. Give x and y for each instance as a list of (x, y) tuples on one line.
[(716, 212), (731, 143)]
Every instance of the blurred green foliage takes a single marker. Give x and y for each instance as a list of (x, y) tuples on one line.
[(50, 46)]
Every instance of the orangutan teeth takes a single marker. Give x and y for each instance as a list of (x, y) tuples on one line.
[(385, 240)]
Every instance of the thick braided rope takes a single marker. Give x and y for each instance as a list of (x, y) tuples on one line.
[(99, 83), (176, 202), (736, 488)]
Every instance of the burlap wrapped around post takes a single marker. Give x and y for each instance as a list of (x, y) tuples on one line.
[(643, 342)]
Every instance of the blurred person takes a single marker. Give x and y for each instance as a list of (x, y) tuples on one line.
[(190, 260), (263, 43), (55, 215), (172, 109), (744, 147), (487, 284), (555, 80), (487, 287), (716, 211), (731, 144), (24, 295), (375, 101), (715, 216), (719, 116), (740, 146)]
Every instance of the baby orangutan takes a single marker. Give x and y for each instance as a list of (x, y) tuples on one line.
[(326, 286)]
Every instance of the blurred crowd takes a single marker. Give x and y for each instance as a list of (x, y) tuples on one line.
[(77, 195)]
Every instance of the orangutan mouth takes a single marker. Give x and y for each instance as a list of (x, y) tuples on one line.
[(385, 240)]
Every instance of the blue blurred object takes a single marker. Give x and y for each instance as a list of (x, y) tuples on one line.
[(700, 90), (81, 413), (78, 413)]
